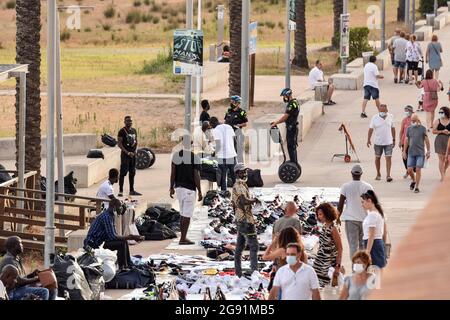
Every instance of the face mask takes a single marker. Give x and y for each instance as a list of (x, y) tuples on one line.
[(407, 113), (442, 116), (382, 114), (358, 267), (415, 124), (291, 260)]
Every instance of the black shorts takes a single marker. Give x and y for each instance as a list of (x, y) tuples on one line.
[(371, 92), (127, 164), (413, 65)]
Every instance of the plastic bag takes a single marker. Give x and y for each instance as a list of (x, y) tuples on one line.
[(108, 259)]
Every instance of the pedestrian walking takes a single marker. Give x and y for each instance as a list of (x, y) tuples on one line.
[(413, 56), (354, 214), (329, 254), (382, 126), (441, 128), (356, 286), (225, 151), (414, 151), (245, 221), (296, 280), (371, 87), (406, 122), (185, 180), (400, 58), (128, 143), (434, 56), (374, 228), (391, 48), (290, 219), (431, 88)]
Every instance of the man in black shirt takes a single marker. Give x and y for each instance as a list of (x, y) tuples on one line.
[(204, 116), (185, 179), (127, 139), (237, 118), (290, 118)]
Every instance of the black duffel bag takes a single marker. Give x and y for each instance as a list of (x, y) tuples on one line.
[(209, 197), (254, 179), (109, 140), (95, 154), (131, 279), (158, 232), (209, 172)]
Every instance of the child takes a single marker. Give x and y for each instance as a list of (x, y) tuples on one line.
[(420, 99)]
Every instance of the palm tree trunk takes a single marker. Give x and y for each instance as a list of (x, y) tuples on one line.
[(28, 51), (300, 53), (338, 8), (234, 81), (401, 10)]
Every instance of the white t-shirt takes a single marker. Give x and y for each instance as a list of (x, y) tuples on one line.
[(315, 77), (105, 190), (373, 220), (382, 129), (3, 293), (224, 136), (400, 49), (370, 75), (352, 191), (201, 142), (296, 286)]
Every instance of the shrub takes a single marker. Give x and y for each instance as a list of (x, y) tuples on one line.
[(147, 2), (137, 3), (147, 18), (162, 63), (106, 27), (427, 6), (359, 42), (133, 17), (155, 20), (11, 4), (270, 25), (87, 29), (110, 12), (65, 35)]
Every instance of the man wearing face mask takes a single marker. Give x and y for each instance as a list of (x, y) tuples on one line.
[(297, 280), (406, 122), (237, 118), (290, 118), (103, 230), (416, 138), (382, 126), (245, 221)]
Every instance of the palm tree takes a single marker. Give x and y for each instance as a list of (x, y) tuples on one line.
[(300, 53), (234, 81), (338, 8), (28, 51)]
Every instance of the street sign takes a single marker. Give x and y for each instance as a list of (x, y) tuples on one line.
[(253, 31), (292, 16), (188, 52), (345, 35)]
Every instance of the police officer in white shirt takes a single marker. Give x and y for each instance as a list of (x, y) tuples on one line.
[(106, 190), (316, 78)]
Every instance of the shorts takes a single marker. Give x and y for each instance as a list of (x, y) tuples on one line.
[(387, 150), (186, 199), (416, 161), (399, 64), (413, 65), (377, 253), (371, 92)]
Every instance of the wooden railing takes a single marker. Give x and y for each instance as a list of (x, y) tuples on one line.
[(34, 215)]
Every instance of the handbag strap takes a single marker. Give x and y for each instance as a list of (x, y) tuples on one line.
[(435, 50)]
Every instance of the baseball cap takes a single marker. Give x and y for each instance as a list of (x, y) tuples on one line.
[(239, 167), (357, 170)]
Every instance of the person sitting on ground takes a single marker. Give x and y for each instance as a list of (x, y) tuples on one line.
[(226, 54), (106, 190), (103, 230), (414, 152), (316, 78), (296, 280), (356, 286), (26, 283), (290, 219), (202, 145), (8, 280), (204, 116)]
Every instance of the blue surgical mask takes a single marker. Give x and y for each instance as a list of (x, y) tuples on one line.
[(291, 260), (383, 114), (407, 114)]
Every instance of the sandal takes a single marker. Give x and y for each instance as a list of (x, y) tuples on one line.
[(186, 243), (389, 179), (378, 178), (412, 186)]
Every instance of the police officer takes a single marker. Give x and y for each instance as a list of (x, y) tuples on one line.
[(237, 118), (290, 118)]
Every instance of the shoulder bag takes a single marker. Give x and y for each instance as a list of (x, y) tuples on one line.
[(387, 246), (433, 94)]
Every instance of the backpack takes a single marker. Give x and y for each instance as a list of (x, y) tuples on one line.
[(254, 178), (95, 153), (109, 140)]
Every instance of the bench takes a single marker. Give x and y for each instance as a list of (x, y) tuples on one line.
[(349, 81), (424, 33), (309, 113), (91, 171), (440, 21), (420, 24)]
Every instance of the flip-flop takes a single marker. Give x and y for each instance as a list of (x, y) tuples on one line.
[(389, 179)]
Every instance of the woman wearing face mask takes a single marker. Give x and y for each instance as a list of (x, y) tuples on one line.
[(374, 229), (330, 245), (430, 98), (406, 122), (441, 128), (355, 286)]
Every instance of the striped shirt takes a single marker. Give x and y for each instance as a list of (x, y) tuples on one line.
[(101, 230)]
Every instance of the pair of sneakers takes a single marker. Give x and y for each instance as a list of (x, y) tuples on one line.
[(132, 193)]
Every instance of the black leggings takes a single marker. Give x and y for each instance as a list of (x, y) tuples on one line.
[(123, 252)]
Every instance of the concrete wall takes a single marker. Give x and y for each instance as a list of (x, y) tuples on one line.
[(92, 171), (215, 74), (74, 144)]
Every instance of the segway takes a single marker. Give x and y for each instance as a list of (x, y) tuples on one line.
[(145, 158), (289, 171)]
